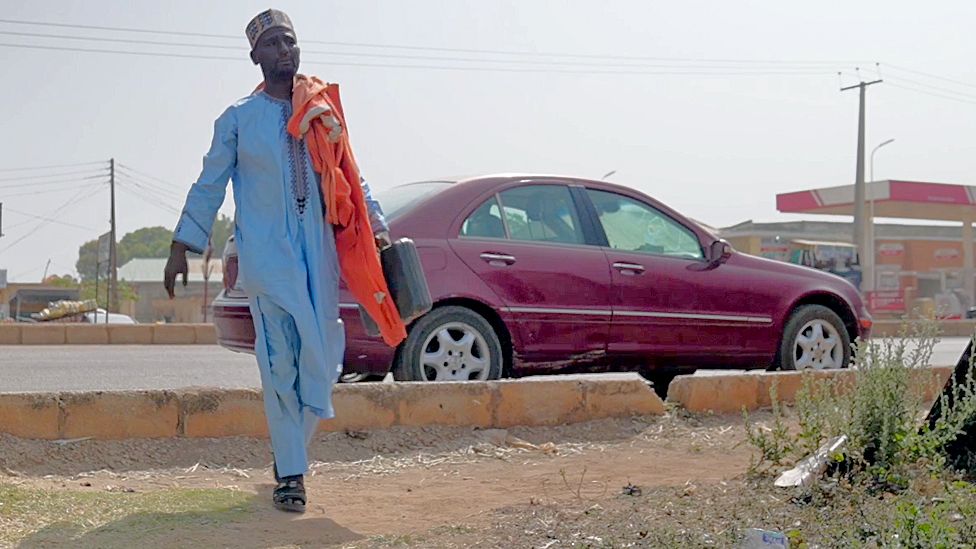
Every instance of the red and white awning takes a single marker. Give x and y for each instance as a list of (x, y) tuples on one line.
[(897, 199)]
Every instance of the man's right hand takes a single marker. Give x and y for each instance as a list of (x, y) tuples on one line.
[(174, 266)]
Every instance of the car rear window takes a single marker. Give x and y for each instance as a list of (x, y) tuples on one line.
[(399, 200)]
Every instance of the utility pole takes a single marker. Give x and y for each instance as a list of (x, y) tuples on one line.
[(1, 219), (859, 218), (113, 265)]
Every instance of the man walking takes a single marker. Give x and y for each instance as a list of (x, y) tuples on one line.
[(292, 208)]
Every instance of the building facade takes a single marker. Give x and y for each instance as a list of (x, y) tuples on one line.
[(912, 262)]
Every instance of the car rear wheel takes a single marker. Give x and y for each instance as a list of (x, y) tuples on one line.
[(355, 377), (815, 339), (450, 344)]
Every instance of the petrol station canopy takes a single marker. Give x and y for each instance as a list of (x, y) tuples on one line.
[(891, 198)]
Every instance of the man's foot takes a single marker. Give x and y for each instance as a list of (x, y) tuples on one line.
[(289, 495)]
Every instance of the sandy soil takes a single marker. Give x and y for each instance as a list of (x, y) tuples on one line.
[(387, 487)]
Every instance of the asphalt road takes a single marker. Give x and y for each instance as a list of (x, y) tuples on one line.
[(26, 368)]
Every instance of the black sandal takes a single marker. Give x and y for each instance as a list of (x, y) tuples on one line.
[(290, 494)]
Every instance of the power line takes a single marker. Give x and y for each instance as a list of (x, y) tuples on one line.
[(41, 192), (935, 88), (49, 219), (77, 198), (142, 174), (49, 183), (51, 167), (433, 48), (930, 75), (94, 50), (537, 62), (161, 204), (89, 171), (731, 71), (930, 93), (165, 194)]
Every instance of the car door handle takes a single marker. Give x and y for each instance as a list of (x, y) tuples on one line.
[(629, 268), (497, 259)]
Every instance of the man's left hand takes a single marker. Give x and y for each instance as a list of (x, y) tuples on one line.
[(383, 240)]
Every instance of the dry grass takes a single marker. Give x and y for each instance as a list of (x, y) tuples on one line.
[(31, 516)]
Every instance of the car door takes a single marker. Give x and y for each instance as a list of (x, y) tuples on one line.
[(528, 245), (668, 302)]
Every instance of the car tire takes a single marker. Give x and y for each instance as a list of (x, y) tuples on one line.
[(450, 344), (355, 377), (814, 338)]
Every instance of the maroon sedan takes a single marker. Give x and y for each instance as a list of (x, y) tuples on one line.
[(542, 274)]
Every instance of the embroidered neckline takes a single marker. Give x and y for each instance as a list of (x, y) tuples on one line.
[(270, 97), (295, 151)]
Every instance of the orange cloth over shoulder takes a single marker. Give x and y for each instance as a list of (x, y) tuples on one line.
[(317, 117)]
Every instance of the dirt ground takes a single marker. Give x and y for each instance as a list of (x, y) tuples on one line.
[(432, 487)]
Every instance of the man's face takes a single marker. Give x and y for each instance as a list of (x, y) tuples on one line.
[(278, 54)]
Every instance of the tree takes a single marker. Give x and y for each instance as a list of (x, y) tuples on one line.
[(87, 288), (87, 257), (222, 229), (147, 242)]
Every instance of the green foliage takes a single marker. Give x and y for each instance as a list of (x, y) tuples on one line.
[(878, 406), (146, 242), (87, 288), (222, 229), (775, 443)]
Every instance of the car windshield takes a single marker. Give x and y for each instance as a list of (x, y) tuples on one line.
[(400, 199)]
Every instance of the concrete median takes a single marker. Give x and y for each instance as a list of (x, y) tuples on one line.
[(370, 406), (107, 334), (730, 394), (359, 407)]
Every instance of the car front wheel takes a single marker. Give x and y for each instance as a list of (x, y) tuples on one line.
[(450, 344), (815, 339)]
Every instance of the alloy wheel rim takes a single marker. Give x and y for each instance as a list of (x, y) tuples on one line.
[(818, 346), (455, 351)]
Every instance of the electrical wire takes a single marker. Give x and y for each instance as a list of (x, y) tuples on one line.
[(46, 176), (432, 48), (57, 182), (930, 75), (726, 72), (930, 93), (166, 196), (159, 203), (940, 89), (168, 186), (40, 192), (75, 199), (56, 166), (537, 62), (48, 219)]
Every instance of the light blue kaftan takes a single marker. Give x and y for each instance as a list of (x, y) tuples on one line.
[(288, 264)]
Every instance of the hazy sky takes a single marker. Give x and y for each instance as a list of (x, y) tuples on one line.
[(716, 146)]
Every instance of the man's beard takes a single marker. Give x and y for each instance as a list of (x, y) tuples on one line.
[(276, 73), (284, 74)]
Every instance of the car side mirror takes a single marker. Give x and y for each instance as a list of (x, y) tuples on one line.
[(719, 252)]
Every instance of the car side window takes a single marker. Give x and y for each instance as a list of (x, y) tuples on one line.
[(632, 226), (542, 213), (485, 222)]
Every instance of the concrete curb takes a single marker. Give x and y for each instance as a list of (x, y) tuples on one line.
[(367, 406), (730, 394), (102, 334)]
